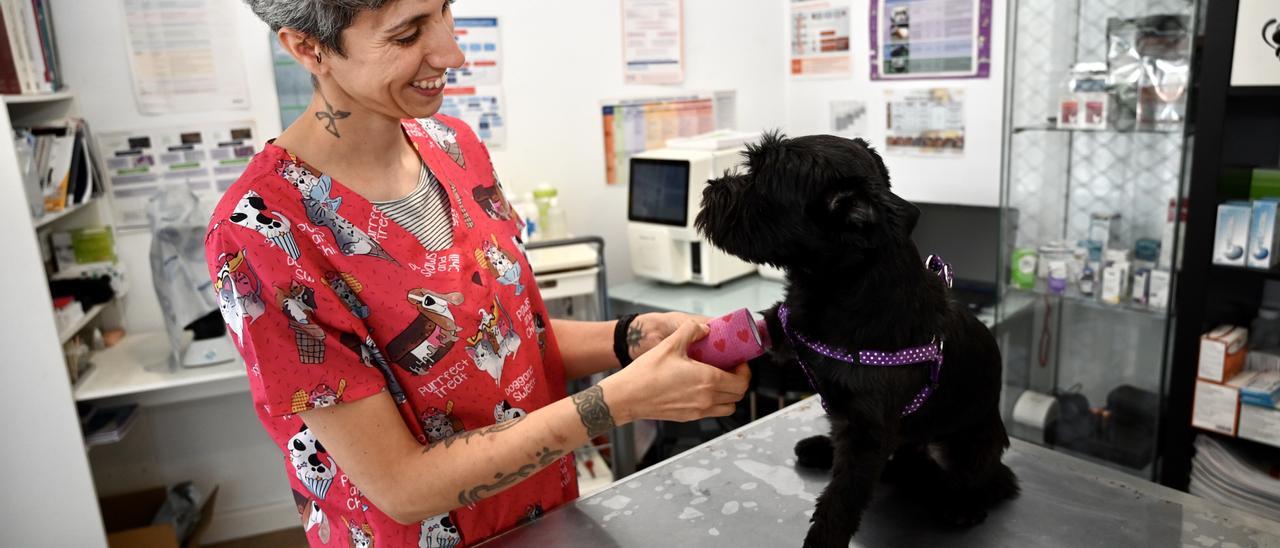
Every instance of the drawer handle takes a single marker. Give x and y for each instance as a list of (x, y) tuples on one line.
[(549, 284)]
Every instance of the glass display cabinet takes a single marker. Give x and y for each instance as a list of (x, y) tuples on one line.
[(1096, 159)]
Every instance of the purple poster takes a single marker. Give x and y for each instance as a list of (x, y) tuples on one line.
[(930, 39)]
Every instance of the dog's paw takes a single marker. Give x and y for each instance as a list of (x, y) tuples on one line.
[(826, 537), (815, 452), (960, 515)]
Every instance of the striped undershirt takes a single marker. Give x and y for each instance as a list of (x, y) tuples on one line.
[(424, 212)]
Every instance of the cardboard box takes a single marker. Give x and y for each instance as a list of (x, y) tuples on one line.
[(1263, 389), (1215, 407), (1222, 353), (1260, 424), (128, 518), (1264, 184), (1264, 234), (1231, 236)]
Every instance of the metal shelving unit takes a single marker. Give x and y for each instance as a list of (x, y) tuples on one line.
[(1104, 366)]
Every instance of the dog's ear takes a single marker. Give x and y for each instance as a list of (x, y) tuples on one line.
[(908, 213), (847, 209), (875, 156)]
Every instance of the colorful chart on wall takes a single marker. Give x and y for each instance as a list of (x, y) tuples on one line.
[(637, 125), (926, 122), (207, 159), (653, 41), (820, 39), (916, 39)]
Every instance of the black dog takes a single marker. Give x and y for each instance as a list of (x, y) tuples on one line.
[(820, 207)]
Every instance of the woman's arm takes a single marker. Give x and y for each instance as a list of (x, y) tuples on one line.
[(410, 482), (587, 347)]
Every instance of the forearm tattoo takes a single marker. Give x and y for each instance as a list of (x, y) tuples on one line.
[(501, 481), (635, 334), (467, 435), (593, 411), (330, 116)]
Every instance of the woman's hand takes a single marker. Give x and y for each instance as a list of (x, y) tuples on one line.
[(665, 384), (647, 330)]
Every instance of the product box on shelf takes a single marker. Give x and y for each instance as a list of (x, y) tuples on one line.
[(1158, 289), (1232, 234), (1263, 360), (1261, 388), (1264, 184), (1264, 234), (1260, 424), (1216, 407), (1222, 353)]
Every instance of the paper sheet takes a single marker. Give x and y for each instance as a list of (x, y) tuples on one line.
[(481, 107), (653, 41), (930, 39), (479, 39), (208, 159), (637, 125), (849, 118), (819, 38), (184, 57), (925, 121)]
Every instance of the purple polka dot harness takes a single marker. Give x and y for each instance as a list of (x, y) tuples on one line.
[(931, 352)]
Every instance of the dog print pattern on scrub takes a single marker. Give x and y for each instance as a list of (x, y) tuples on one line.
[(330, 301)]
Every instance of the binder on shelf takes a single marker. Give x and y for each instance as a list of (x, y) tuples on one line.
[(9, 82), (29, 53), (63, 164)]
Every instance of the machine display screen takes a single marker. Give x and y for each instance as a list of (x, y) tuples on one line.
[(659, 192)]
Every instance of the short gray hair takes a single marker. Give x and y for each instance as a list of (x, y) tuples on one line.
[(323, 20)]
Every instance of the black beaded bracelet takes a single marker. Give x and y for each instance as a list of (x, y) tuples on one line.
[(620, 347)]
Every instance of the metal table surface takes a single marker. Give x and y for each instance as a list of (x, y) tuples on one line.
[(742, 489)]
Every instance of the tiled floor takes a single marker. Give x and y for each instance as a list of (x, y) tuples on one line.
[(284, 538)]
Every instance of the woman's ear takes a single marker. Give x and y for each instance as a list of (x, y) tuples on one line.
[(303, 49)]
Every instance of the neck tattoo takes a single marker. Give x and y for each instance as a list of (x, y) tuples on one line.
[(330, 116)]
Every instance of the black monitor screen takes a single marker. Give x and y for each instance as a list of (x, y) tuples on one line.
[(968, 237), (659, 192)]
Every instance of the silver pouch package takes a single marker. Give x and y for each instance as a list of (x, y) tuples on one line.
[(1148, 62)]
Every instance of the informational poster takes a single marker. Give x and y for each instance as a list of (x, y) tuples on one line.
[(184, 57), (479, 40), (925, 121), (915, 39), (293, 84), (820, 38), (206, 159), (1256, 57), (653, 41), (481, 108), (634, 126), (849, 118)]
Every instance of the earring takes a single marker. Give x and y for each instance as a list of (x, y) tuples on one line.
[(317, 57)]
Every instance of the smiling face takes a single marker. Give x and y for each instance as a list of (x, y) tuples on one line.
[(395, 58)]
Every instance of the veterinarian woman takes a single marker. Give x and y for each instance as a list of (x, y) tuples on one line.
[(372, 275)]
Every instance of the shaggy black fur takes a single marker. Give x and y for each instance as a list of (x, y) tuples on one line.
[(821, 208)]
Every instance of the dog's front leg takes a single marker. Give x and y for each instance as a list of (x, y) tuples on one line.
[(861, 449)]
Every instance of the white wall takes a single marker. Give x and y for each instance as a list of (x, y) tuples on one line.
[(562, 58), (973, 179)]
